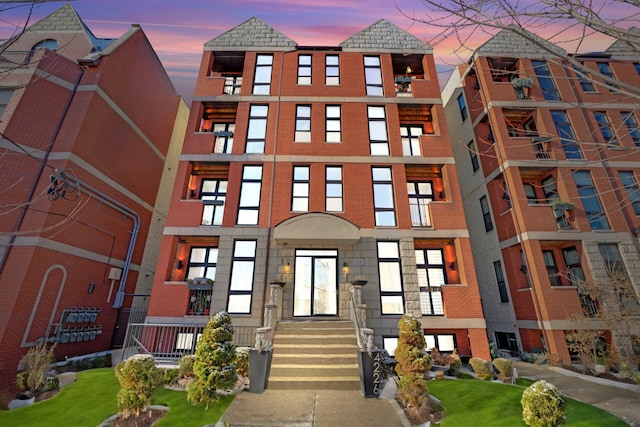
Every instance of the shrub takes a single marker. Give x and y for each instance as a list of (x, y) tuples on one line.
[(52, 383), (170, 375), (481, 368), (455, 367), (413, 362), (543, 405), (186, 366), (34, 367), (242, 361), (636, 377), (554, 359), (504, 367), (214, 368), (493, 350), (139, 377)]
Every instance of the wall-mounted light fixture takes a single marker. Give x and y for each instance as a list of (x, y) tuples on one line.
[(192, 193), (523, 268), (180, 265), (452, 266), (441, 195), (345, 267)]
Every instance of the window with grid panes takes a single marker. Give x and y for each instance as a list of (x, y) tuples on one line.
[(545, 80), (223, 133), (378, 140), (373, 75), (605, 127), (420, 195), (591, 200), (605, 69), (213, 195), (566, 134), (431, 277), (633, 191), (383, 201), (300, 191), (473, 155), (486, 214), (410, 135), (304, 69), (249, 205), (632, 126), (303, 123), (332, 70), (391, 291), (333, 189), (262, 78), (242, 271), (552, 269), (202, 262), (257, 129), (333, 132), (232, 84), (502, 286)]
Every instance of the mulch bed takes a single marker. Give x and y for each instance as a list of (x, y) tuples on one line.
[(145, 419)]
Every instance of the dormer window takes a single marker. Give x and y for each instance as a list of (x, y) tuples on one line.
[(50, 44)]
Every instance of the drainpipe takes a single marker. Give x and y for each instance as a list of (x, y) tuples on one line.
[(43, 163)]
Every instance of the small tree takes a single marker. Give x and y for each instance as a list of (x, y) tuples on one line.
[(34, 367), (214, 368), (413, 362), (542, 405), (139, 377)]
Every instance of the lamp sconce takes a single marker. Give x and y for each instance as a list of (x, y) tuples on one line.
[(452, 266), (192, 193), (345, 267), (523, 269), (441, 195), (179, 265), (287, 267)]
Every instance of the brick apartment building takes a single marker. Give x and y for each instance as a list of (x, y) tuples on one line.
[(91, 129), (528, 133), (317, 167)]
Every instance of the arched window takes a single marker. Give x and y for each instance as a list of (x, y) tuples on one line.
[(50, 44)]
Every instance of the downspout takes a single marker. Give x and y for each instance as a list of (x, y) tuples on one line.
[(43, 163), (271, 190)]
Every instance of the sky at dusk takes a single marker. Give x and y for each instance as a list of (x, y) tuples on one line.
[(178, 29)]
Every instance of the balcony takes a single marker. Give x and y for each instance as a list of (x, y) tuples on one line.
[(403, 85), (542, 147), (563, 213)]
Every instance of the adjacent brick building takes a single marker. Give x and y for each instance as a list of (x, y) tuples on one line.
[(317, 167), (91, 129), (529, 133)]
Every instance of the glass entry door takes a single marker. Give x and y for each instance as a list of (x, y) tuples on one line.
[(316, 283)]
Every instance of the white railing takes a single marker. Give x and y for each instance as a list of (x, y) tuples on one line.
[(358, 314)]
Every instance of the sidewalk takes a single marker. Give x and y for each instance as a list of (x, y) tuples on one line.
[(305, 408), (622, 400)]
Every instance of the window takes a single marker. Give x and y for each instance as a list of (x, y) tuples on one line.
[(530, 192), (249, 206), (445, 343), (303, 123), (486, 215), (257, 129), (636, 65), (552, 269), (520, 123), (431, 276), (391, 294), (590, 200), (410, 135), (304, 69), (605, 127), (420, 195), (332, 70), (232, 84), (5, 97), (605, 69), (242, 270), (213, 194), (507, 341), (574, 267), (300, 192), (333, 183), (223, 133), (373, 75), (463, 107), (390, 344), (620, 282), (632, 126), (585, 82), (566, 135), (473, 155), (378, 142), (50, 44), (333, 127), (262, 79), (545, 80), (633, 191), (502, 287), (202, 263), (550, 189), (383, 204)]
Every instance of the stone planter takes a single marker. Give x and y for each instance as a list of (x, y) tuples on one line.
[(259, 367), (439, 375), (22, 400)]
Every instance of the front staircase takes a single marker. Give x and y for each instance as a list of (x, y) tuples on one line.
[(314, 355)]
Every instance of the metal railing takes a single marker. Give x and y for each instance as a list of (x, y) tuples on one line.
[(168, 343)]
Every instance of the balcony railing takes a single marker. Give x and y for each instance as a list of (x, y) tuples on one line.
[(168, 343), (542, 147)]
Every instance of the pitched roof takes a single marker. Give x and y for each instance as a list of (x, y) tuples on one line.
[(66, 20), (252, 34), (623, 48), (517, 42), (383, 36)]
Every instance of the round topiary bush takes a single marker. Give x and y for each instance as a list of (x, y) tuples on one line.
[(186, 366), (481, 368), (504, 367), (543, 405), (139, 377)]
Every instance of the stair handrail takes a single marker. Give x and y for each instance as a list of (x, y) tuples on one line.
[(272, 314), (358, 314)]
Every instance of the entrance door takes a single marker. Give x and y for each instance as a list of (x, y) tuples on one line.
[(316, 283)]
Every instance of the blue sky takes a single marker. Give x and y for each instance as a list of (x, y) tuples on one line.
[(177, 29)]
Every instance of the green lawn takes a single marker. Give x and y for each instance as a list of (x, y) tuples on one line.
[(482, 403), (92, 399)]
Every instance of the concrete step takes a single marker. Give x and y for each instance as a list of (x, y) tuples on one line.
[(286, 371), (314, 383), (314, 324), (315, 349), (313, 359), (344, 339)]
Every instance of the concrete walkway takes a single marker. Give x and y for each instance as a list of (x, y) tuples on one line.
[(304, 408), (622, 400)]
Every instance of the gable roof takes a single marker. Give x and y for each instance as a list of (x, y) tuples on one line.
[(252, 34), (625, 49), (383, 36), (517, 42), (66, 20)]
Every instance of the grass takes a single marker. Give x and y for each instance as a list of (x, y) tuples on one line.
[(92, 399), (482, 403)]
